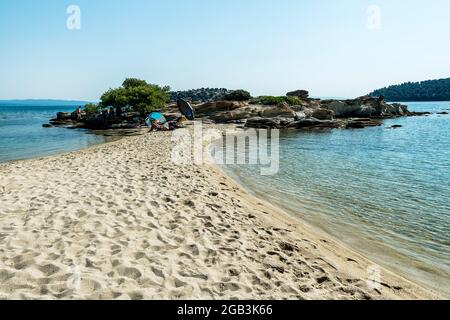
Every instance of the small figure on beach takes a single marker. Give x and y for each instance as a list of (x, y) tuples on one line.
[(78, 112), (158, 122), (158, 126)]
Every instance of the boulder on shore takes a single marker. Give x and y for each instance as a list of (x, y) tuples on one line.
[(302, 94), (281, 110), (314, 123), (364, 107), (268, 123), (323, 114), (362, 123), (218, 106), (254, 111), (64, 116), (341, 109), (235, 115)]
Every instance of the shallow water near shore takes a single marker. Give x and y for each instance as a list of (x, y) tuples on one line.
[(381, 191), (22, 135)]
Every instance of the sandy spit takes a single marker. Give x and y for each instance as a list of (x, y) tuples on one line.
[(121, 221)]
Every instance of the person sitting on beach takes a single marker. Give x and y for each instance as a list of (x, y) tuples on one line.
[(157, 126), (168, 126)]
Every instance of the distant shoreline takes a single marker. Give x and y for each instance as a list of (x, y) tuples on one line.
[(42, 103), (422, 91)]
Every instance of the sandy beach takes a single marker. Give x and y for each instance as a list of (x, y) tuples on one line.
[(121, 221)]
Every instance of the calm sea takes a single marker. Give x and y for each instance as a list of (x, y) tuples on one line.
[(22, 135), (384, 192)]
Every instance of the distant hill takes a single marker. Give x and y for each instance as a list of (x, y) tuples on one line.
[(431, 90), (200, 95), (41, 102)]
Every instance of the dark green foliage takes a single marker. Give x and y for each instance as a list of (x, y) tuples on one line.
[(432, 90), (91, 108), (237, 95), (138, 95), (133, 82), (115, 98), (199, 95), (272, 101)]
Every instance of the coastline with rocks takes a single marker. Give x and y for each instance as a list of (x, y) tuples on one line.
[(308, 113)]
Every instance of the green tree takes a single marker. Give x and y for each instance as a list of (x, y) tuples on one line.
[(147, 98), (138, 95), (116, 98), (133, 82)]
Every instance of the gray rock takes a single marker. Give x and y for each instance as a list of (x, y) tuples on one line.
[(235, 115), (262, 123), (355, 125), (303, 94), (342, 109), (312, 122), (269, 123), (362, 123), (365, 107), (300, 115), (282, 110), (400, 109), (367, 111), (323, 114), (218, 106), (63, 116)]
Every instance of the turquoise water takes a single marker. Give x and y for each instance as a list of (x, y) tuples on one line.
[(22, 135), (383, 192)]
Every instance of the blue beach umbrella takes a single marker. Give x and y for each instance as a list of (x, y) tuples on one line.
[(155, 116)]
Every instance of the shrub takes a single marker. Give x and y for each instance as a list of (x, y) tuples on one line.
[(91, 108), (272, 101), (237, 95)]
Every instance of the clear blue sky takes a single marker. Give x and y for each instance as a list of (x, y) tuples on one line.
[(265, 46)]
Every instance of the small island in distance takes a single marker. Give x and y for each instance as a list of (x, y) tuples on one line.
[(431, 90)]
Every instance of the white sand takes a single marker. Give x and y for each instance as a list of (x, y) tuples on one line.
[(120, 221)]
